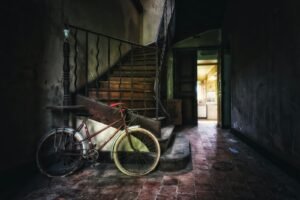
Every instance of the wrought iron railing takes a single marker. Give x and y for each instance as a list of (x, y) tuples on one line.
[(164, 38), (93, 54)]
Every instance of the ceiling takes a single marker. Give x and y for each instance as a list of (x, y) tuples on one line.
[(196, 16)]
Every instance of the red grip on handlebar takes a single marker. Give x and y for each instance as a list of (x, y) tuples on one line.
[(116, 104)]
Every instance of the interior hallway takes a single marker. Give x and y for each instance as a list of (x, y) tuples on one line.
[(222, 167)]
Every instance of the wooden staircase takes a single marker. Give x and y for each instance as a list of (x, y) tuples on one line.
[(131, 81)]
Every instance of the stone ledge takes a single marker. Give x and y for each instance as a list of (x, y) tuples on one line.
[(177, 156)]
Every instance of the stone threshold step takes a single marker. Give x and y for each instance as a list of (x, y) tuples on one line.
[(167, 134), (177, 156)]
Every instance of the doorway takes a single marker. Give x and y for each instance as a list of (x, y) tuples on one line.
[(185, 77), (207, 85), (197, 83)]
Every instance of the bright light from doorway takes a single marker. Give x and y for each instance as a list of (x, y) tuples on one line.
[(212, 61)]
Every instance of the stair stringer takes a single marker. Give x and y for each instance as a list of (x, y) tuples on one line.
[(105, 114)]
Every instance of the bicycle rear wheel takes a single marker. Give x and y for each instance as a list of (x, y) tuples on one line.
[(59, 153), (141, 157)]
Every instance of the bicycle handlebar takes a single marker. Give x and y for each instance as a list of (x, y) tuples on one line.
[(120, 106)]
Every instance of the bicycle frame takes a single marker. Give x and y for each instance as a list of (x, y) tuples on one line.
[(90, 136)]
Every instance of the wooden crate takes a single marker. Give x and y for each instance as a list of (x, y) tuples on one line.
[(174, 109)]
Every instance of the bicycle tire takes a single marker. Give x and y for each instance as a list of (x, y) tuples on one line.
[(143, 159), (59, 153)]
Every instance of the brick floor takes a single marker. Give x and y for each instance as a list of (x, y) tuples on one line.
[(222, 167)]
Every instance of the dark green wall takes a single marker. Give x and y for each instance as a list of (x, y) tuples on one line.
[(31, 68), (196, 16), (264, 42)]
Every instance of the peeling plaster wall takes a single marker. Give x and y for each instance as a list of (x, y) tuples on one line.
[(153, 10), (265, 74), (32, 59), (117, 18), (152, 15)]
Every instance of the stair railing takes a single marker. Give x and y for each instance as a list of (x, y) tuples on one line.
[(164, 38), (97, 52)]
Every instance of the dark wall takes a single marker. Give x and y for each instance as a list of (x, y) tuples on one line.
[(32, 59), (265, 47), (196, 16)]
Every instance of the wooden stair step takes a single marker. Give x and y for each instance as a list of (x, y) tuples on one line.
[(138, 65), (134, 103), (120, 95), (140, 55), (137, 68), (143, 50), (140, 58), (121, 90), (141, 62), (134, 79), (122, 99), (133, 73), (126, 85)]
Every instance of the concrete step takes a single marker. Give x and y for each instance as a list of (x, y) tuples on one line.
[(162, 120), (177, 156), (167, 136)]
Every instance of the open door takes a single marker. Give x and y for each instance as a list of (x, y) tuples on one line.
[(185, 77), (207, 84)]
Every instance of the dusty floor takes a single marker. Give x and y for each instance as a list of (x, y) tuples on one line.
[(222, 167)]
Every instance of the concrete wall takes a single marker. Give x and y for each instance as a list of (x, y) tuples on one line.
[(207, 38), (31, 63), (116, 18), (265, 45), (194, 17), (151, 19), (152, 15)]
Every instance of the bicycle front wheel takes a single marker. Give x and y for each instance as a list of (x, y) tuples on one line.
[(136, 153), (59, 153)]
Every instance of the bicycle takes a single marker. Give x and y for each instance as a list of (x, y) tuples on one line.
[(62, 151)]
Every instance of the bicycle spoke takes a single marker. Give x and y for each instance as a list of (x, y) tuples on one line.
[(59, 154), (144, 156)]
